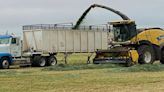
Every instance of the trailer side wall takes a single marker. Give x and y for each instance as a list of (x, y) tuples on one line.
[(54, 41)]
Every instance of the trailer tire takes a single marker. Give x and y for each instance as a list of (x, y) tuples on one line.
[(4, 64), (51, 61), (162, 57), (39, 61), (146, 54)]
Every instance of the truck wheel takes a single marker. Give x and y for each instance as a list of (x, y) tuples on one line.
[(51, 61), (42, 62), (39, 61), (162, 58), (4, 64), (146, 55)]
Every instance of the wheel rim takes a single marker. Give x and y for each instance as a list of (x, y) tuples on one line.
[(42, 62), (5, 64), (147, 57)]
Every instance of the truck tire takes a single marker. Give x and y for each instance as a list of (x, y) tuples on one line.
[(39, 61), (146, 54), (4, 63), (51, 61), (162, 58)]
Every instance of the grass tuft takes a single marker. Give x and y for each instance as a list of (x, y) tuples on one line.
[(3, 72), (111, 67), (64, 67), (143, 68)]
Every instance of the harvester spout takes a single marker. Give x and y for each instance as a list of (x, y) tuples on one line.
[(123, 16)]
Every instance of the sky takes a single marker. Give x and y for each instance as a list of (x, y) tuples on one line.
[(16, 13)]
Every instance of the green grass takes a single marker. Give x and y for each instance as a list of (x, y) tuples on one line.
[(143, 68), (89, 80), (78, 58), (64, 67), (111, 67), (77, 76)]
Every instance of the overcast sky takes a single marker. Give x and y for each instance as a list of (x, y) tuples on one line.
[(16, 13)]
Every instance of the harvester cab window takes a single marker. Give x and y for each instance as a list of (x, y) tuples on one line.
[(124, 32), (120, 33), (116, 31)]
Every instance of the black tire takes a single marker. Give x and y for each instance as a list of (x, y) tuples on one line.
[(51, 61), (146, 54), (162, 57), (39, 61), (4, 63), (35, 59), (128, 62)]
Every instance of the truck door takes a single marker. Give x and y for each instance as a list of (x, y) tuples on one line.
[(15, 47)]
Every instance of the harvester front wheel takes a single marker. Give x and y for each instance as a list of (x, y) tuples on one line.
[(146, 54)]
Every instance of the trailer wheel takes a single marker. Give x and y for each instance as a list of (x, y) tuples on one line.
[(39, 61), (146, 54), (51, 61), (4, 64), (162, 58)]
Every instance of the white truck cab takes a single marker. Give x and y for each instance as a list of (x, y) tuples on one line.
[(11, 54), (10, 44)]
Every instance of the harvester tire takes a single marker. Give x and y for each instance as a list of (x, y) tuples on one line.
[(51, 61), (162, 58), (146, 54), (4, 63)]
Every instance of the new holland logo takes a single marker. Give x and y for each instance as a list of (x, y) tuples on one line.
[(160, 37)]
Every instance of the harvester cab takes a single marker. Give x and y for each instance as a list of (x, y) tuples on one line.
[(123, 30)]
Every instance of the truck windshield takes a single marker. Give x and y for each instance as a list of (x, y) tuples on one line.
[(4, 40)]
